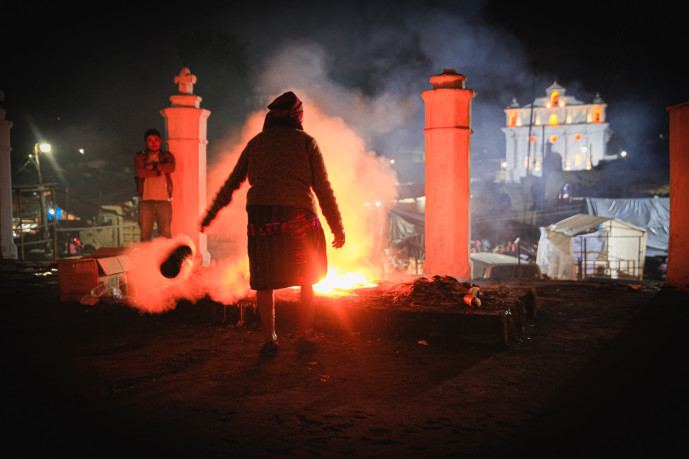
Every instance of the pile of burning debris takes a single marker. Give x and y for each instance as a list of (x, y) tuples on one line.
[(440, 307), (441, 293)]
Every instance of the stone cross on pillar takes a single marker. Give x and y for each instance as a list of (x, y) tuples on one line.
[(186, 81), (8, 248)]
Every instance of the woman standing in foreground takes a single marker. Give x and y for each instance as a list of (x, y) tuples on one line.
[(286, 242)]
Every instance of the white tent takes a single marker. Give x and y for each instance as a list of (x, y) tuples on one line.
[(651, 214), (589, 245)]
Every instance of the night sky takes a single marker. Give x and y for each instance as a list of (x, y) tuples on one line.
[(97, 80)]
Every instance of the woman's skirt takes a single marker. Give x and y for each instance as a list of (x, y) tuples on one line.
[(286, 247)]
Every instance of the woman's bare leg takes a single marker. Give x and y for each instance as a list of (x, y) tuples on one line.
[(266, 308)]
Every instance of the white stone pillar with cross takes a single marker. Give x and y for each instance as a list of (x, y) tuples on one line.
[(186, 128), (8, 248)]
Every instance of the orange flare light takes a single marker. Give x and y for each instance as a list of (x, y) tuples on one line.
[(337, 283), (358, 178)]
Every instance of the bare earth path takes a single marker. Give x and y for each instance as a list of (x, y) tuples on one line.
[(601, 372)]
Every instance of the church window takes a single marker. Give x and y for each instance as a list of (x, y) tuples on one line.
[(553, 119)]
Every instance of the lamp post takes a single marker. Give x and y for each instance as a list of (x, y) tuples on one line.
[(38, 149)]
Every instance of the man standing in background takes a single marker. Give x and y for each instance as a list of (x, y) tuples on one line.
[(153, 168)]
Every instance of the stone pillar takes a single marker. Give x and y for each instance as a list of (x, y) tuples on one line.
[(9, 249), (448, 176), (678, 248), (185, 125)]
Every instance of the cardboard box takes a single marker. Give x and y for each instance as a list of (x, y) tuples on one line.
[(79, 275)]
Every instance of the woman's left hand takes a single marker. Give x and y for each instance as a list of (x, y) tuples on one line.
[(339, 240)]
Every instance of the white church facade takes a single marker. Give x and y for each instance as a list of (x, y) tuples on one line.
[(555, 132)]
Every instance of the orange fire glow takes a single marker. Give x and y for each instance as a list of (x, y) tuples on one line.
[(358, 177), (338, 283)]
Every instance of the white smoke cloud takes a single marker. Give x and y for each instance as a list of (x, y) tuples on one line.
[(370, 62), (359, 177), (305, 65)]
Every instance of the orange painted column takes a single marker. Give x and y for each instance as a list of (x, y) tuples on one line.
[(448, 176), (185, 125), (678, 248)]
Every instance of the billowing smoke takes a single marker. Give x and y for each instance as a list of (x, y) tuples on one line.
[(148, 289), (363, 183), (360, 68)]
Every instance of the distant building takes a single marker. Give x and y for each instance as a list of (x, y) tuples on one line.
[(556, 132)]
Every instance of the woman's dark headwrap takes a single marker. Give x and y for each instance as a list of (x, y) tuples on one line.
[(285, 111)]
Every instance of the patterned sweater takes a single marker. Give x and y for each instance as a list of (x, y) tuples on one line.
[(285, 167)]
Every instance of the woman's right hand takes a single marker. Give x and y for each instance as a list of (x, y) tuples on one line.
[(205, 223)]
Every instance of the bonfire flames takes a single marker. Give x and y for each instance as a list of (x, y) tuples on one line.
[(163, 271)]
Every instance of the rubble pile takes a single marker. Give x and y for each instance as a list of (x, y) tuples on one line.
[(443, 291), (439, 308), (443, 294)]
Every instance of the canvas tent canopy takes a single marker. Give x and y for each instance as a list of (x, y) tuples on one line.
[(589, 245), (651, 214)]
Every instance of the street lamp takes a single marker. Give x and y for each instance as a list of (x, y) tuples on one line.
[(38, 149)]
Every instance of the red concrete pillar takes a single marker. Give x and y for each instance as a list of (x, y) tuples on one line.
[(185, 123), (448, 176), (678, 249)]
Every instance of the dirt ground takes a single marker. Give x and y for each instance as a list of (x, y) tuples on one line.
[(600, 372)]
